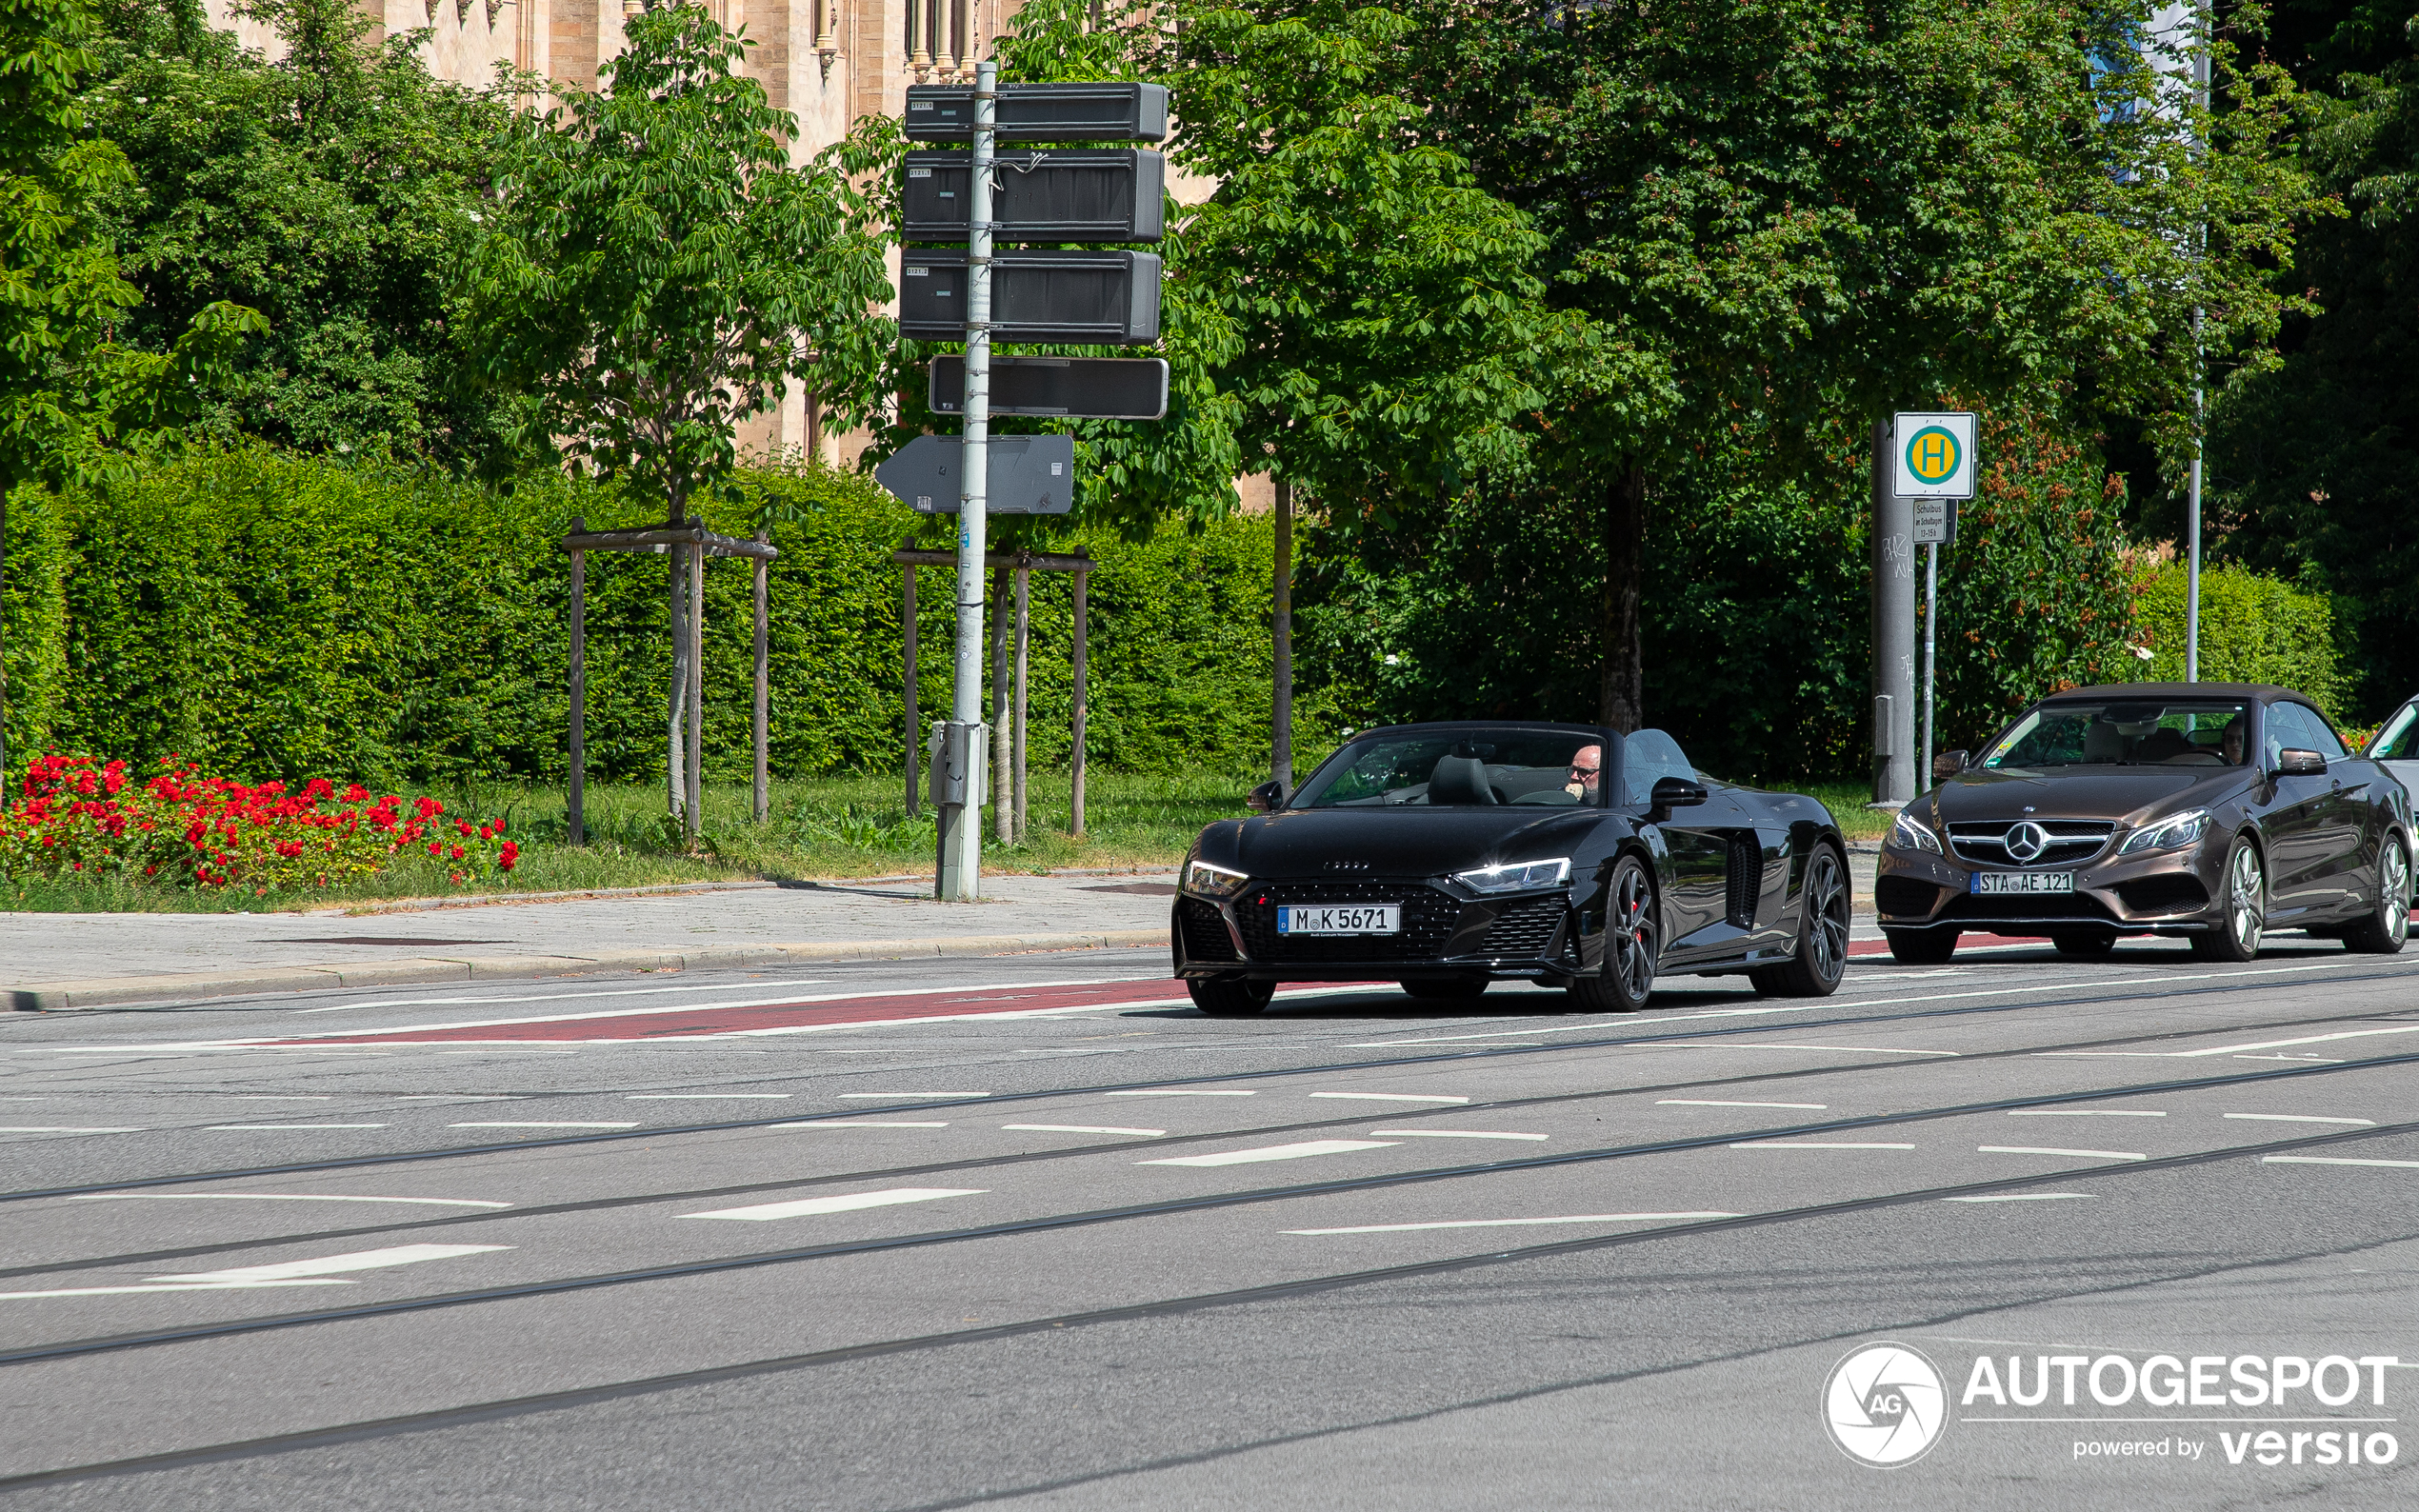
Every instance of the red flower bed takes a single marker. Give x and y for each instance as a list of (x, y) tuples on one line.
[(75, 819)]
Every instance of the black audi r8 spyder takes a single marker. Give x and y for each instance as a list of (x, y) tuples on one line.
[(1448, 856), (2216, 811)]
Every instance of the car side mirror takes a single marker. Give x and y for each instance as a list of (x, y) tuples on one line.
[(1674, 792), (1946, 765), (1266, 798), (2300, 764)]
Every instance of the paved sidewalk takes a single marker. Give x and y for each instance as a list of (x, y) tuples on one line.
[(53, 960)]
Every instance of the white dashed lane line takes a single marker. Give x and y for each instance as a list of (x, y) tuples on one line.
[(1511, 1222), (1272, 1152), (273, 1197), (1389, 1096), (859, 1123), (2079, 1155), (338, 1264), (845, 1203), (2305, 1118), (70, 1128), (1815, 1145), (2020, 1197), (542, 1125)]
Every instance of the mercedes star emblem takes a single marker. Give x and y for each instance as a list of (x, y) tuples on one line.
[(2026, 840)]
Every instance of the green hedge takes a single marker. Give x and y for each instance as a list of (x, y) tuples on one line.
[(274, 616), (2253, 629)]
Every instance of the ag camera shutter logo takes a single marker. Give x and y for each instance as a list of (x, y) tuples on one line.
[(1885, 1405)]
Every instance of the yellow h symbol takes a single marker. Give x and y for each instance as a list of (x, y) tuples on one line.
[(1933, 455)]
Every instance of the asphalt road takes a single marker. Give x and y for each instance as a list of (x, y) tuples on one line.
[(1030, 1232)]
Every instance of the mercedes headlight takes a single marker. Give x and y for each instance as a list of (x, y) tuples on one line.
[(1907, 832), (1212, 882), (2171, 834), (1519, 876)]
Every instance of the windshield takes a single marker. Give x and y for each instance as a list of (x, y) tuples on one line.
[(2130, 733), (2399, 740), (1463, 769)]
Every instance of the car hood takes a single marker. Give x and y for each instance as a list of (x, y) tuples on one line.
[(1391, 842), (2097, 792)]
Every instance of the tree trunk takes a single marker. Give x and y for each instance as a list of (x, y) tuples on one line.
[(1281, 649), (1623, 703)]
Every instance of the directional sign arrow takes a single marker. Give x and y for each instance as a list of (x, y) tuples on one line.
[(1029, 474)]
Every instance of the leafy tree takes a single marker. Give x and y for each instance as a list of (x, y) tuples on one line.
[(1773, 213), (335, 189), (657, 271), (73, 400)]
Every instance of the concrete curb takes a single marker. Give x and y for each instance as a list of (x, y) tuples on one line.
[(110, 992)]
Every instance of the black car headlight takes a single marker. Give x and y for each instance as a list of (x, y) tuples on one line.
[(2174, 832), (1907, 832), (1519, 876), (1211, 881)]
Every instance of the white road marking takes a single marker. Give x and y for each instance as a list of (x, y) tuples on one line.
[(222, 1127), (1387, 1097), (2021, 1197), (1815, 1145), (1272, 1152), (2304, 1118), (847, 1203), (541, 1125), (334, 1264), (1181, 1092), (2333, 1160), (1513, 1223), (1085, 1129), (892, 1097), (122, 1291), (273, 1197), (700, 1096), (69, 1128), (2082, 1112), (2281, 1045), (1453, 1134), (1706, 1102), (2081, 1155), (858, 1122)]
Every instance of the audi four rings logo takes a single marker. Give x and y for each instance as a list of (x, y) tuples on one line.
[(2026, 840), (1885, 1405)]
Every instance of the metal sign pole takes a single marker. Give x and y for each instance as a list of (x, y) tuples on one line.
[(960, 872), (1931, 613)]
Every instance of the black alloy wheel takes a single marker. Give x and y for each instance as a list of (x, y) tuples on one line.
[(1821, 958), (2087, 945), (1443, 989), (2388, 923), (1634, 943), (1232, 996), (2242, 898), (1921, 948)]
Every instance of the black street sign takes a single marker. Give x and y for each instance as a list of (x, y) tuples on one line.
[(1079, 387), (1029, 474), (1102, 195), (1107, 299), (1041, 113)]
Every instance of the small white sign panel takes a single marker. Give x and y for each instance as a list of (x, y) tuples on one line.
[(1933, 455), (1935, 522)]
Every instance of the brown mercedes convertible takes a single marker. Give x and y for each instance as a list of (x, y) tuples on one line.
[(2216, 811)]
